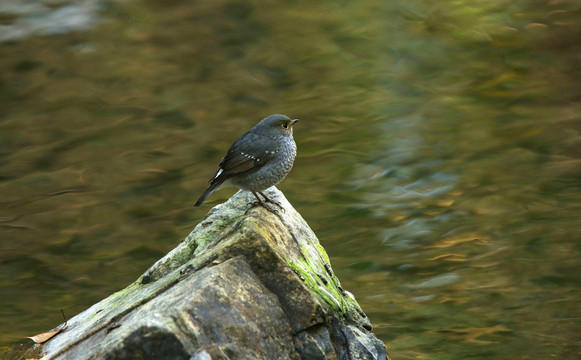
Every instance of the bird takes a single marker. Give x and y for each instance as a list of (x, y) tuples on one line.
[(259, 159)]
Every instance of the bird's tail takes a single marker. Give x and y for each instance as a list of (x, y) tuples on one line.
[(207, 193)]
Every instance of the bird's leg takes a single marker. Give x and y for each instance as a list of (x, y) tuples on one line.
[(259, 202), (271, 201)]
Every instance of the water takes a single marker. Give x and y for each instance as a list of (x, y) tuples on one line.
[(439, 157)]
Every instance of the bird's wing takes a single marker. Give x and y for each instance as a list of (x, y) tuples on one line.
[(248, 152)]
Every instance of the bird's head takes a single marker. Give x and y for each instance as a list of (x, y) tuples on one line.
[(279, 123)]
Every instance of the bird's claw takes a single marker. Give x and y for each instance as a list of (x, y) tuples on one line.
[(263, 204), (275, 203)]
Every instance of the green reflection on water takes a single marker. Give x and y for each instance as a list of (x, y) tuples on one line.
[(438, 158)]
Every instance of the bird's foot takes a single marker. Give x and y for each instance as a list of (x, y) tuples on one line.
[(266, 200), (275, 203), (263, 204)]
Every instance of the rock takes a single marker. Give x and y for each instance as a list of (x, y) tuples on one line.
[(246, 283)]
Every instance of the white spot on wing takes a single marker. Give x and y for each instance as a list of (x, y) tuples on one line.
[(218, 173)]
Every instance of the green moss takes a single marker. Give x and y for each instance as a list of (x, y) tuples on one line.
[(321, 281), (323, 253), (316, 278)]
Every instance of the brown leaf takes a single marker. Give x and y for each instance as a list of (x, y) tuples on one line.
[(40, 338)]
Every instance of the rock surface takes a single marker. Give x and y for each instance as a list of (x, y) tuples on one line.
[(247, 283)]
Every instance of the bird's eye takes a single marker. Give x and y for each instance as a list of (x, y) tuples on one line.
[(285, 125)]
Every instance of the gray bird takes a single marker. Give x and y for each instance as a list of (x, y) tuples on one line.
[(259, 159)]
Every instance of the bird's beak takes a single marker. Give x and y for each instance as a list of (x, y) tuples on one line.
[(294, 121)]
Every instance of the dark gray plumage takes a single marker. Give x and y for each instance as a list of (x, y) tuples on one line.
[(259, 159)]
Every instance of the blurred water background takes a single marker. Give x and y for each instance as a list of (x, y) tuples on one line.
[(439, 155)]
